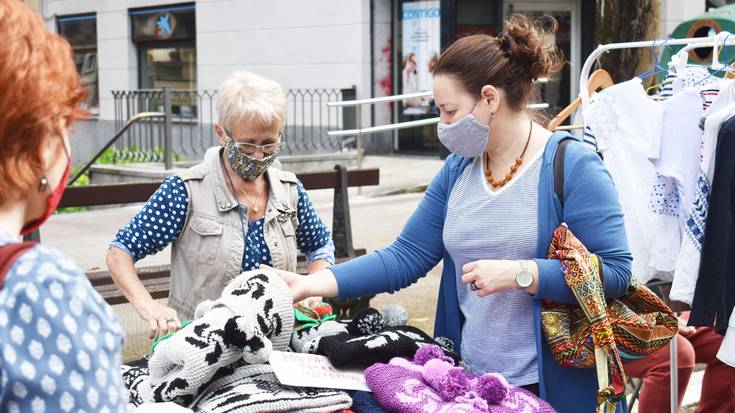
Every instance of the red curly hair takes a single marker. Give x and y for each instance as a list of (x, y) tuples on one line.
[(40, 95)]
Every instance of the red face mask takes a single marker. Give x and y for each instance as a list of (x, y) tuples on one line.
[(51, 202)]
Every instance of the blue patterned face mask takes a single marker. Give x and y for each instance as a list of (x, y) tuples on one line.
[(466, 137), (247, 166)]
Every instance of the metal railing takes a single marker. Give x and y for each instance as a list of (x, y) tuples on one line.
[(189, 130), (140, 117), (359, 131)]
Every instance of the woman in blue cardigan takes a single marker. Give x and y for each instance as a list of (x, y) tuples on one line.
[(493, 234)]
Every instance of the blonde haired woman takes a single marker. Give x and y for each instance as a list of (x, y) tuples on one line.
[(231, 213)]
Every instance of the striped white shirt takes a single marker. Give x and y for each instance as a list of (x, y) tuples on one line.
[(498, 334)]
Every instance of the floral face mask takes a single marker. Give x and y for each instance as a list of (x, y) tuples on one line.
[(245, 165)]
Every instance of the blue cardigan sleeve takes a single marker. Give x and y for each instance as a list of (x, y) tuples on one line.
[(593, 213), (414, 253)]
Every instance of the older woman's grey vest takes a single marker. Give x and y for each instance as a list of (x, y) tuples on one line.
[(209, 250)]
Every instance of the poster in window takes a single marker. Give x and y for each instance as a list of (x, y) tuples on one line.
[(421, 36)]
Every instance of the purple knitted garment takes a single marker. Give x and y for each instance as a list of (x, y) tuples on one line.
[(438, 386)]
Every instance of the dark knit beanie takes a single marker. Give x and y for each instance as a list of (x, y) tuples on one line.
[(361, 351)]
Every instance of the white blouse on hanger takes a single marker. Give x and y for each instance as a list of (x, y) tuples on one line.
[(623, 120), (674, 152)]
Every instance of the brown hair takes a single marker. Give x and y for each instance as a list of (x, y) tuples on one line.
[(511, 61), (41, 94)]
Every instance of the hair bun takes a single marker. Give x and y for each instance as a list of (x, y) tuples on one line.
[(523, 43)]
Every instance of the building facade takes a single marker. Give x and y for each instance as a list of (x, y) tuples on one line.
[(379, 47)]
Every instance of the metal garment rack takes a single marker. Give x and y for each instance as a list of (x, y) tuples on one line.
[(720, 39)]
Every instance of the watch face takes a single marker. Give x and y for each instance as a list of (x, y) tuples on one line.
[(524, 279)]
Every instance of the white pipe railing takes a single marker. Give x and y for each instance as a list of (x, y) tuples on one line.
[(405, 125), (360, 131), (382, 99)]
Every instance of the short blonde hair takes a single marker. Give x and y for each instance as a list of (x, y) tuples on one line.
[(245, 96)]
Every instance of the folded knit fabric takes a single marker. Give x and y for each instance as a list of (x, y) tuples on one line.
[(256, 389), (365, 402), (432, 383), (347, 350), (253, 316), (137, 384)]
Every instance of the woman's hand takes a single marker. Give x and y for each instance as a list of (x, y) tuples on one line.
[(311, 302), (161, 319), (494, 276), (319, 284)]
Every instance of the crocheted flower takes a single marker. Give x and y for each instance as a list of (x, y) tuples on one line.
[(430, 352), (491, 387)]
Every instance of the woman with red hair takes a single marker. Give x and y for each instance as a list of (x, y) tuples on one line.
[(60, 341)]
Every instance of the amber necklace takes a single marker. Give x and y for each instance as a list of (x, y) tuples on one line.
[(513, 169)]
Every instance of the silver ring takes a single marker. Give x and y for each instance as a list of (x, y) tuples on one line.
[(170, 320), (474, 287)]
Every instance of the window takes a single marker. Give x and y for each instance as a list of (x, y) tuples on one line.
[(81, 32)]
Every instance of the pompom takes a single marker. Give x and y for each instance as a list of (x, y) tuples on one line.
[(449, 382), (430, 352), (365, 322), (491, 387), (394, 315)]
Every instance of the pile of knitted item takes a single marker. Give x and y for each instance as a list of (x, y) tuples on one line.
[(370, 337), (218, 363), (432, 383)]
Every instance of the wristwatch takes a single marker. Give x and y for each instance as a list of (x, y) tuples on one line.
[(524, 277)]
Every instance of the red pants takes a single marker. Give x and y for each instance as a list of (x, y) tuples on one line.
[(718, 386)]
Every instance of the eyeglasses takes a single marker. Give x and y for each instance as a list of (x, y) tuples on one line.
[(250, 148)]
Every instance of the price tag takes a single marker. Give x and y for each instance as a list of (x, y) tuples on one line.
[(311, 370)]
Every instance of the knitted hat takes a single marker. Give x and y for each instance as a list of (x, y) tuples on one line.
[(307, 339), (256, 389), (367, 321), (253, 316), (433, 382), (345, 349)]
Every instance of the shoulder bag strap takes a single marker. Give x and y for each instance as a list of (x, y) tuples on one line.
[(8, 254), (559, 169)]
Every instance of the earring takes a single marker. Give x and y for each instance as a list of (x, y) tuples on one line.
[(43, 184)]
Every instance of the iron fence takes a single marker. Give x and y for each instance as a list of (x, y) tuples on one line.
[(193, 115)]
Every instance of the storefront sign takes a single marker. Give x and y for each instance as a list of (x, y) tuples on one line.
[(311, 370), (172, 23), (421, 46)]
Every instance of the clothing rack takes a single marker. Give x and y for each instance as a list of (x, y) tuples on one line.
[(720, 39)]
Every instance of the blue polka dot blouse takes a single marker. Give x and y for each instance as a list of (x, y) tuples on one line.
[(60, 341), (161, 219)]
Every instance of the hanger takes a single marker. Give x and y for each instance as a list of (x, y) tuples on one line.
[(730, 74), (599, 79)]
